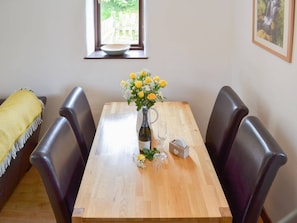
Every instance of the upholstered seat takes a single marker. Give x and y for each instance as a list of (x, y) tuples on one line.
[(227, 114), (60, 164), (18, 166), (77, 110), (253, 162)]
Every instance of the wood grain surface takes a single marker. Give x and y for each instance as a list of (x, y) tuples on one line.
[(115, 189)]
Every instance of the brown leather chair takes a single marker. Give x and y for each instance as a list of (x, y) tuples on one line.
[(226, 116), (77, 110), (251, 167), (60, 164)]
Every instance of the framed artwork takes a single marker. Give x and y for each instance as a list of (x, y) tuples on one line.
[(273, 22)]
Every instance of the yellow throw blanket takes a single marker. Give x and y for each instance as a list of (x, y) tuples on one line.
[(20, 115)]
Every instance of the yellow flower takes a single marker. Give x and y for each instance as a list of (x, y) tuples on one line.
[(124, 83), (143, 73), (151, 96), (143, 89), (156, 78), (148, 80), (140, 94), (132, 75), (141, 157), (163, 83), (138, 84)]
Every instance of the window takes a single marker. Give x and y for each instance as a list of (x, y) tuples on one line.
[(119, 21)]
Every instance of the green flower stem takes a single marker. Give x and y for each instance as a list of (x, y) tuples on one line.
[(149, 153)]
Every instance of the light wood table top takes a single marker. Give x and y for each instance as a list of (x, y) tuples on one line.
[(114, 189)]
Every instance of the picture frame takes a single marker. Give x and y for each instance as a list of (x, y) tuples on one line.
[(273, 22)]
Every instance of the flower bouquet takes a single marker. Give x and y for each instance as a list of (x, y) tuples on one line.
[(143, 89)]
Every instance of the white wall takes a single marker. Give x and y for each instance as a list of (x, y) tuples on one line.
[(42, 45), (268, 85), (190, 43)]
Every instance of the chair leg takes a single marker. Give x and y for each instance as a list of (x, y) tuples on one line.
[(264, 217)]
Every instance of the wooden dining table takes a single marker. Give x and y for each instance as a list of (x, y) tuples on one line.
[(115, 189)]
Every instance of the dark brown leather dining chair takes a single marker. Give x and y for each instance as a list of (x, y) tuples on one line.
[(77, 110), (227, 114), (60, 164), (253, 162)]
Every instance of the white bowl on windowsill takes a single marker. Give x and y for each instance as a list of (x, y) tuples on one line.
[(115, 49)]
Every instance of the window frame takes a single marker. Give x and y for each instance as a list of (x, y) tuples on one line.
[(97, 28)]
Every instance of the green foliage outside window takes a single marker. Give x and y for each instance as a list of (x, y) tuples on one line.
[(116, 6), (119, 21)]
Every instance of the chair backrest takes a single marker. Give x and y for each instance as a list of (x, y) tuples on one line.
[(59, 162), (251, 167), (227, 114), (77, 110)]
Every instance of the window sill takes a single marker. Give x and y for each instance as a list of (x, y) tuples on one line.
[(130, 54)]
